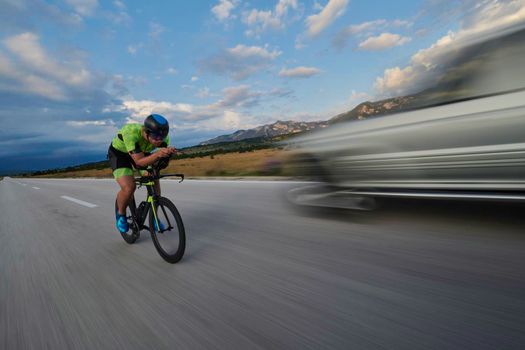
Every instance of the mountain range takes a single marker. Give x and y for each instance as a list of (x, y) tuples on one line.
[(268, 131), (364, 110)]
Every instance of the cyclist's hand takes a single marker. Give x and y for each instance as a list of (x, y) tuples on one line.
[(164, 152), (173, 150)]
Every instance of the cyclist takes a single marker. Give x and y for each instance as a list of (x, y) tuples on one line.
[(131, 149)]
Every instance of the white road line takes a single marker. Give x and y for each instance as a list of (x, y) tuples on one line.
[(36, 188), (78, 201)]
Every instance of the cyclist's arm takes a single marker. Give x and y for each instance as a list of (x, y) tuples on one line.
[(142, 161)]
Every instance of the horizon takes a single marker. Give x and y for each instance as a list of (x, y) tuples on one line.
[(73, 72), (24, 171)]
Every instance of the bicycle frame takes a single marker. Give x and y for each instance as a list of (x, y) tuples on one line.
[(165, 223), (151, 199)]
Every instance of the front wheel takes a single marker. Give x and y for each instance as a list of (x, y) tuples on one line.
[(167, 230)]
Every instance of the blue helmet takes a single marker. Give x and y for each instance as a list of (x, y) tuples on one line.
[(157, 125)]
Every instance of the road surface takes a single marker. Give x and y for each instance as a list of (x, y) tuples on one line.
[(257, 274)]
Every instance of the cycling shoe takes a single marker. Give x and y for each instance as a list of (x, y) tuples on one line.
[(122, 224)]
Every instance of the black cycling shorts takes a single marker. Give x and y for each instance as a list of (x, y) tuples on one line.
[(121, 163)]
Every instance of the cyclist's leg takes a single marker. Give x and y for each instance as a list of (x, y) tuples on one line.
[(121, 164), (127, 189)]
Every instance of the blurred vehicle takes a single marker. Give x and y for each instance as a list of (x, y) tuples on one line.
[(463, 137)]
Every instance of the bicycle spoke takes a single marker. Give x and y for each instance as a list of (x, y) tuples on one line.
[(165, 215)]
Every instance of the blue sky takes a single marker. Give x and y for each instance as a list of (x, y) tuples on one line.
[(73, 72)]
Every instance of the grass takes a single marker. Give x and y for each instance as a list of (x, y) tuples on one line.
[(263, 162)]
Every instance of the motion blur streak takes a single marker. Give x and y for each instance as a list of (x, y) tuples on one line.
[(465, 132)]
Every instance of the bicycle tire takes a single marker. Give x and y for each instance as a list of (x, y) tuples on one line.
[(133, 233), (175, 230)]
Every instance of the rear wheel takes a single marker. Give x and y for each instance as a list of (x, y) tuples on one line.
[(170, 238), (133, 233)]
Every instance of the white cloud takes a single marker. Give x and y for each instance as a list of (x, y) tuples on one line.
[(240, 61), (299, 72), (493, 14), (237, 96), (365, 26), (484, 19), (259, 20), (317, 23), (171, 71), (358, 97), (401, 23), (82, 123), (21, 81), (383, 41), (29, 68), (227, 121), (194, 78), (27, 48), (141, 108), (281, 9), (83, 7), (396, 80), (232, 120), (223, 9), (367, 29), (264, 18), (242, 51), (225, 113)]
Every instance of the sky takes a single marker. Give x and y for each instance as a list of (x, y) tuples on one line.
[(73, 72)]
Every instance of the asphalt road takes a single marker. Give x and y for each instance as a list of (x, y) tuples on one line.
[(257, 274)]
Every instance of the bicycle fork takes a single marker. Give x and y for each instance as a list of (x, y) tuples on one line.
[(154, 211)]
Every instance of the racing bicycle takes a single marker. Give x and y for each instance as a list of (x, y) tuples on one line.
[(165, 223)]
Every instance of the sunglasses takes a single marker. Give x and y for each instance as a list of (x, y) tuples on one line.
[(157, 136)]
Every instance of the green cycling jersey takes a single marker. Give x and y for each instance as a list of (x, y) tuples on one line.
[(129, 140)]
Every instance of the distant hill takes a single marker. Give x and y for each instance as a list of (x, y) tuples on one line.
[(374, 109), (268, 131), (364, 110)]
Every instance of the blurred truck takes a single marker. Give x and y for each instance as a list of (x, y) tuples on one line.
[(462, 136)]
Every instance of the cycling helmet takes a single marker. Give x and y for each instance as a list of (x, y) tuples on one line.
[(156, 125)]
